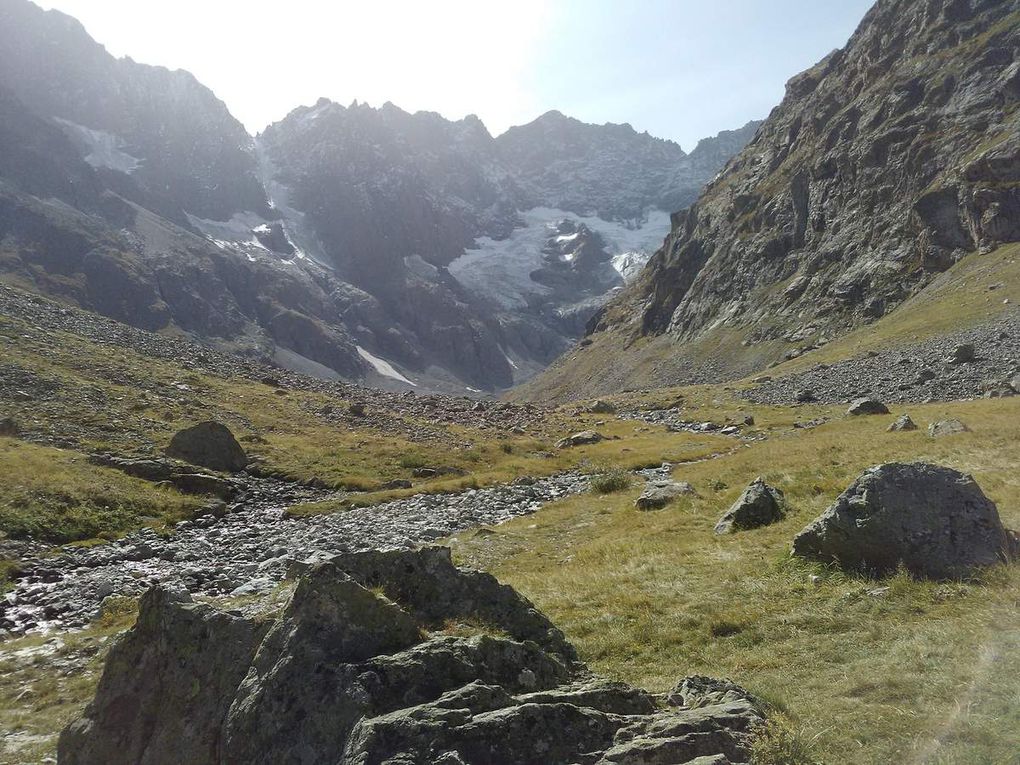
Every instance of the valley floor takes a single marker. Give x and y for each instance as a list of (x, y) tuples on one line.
[(858, 670)]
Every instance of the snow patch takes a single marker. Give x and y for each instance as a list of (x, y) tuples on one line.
[(383, 367), (104, 149)]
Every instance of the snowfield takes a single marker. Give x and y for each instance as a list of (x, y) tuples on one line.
[(501, 270)]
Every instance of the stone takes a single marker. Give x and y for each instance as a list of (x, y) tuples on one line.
[(9, 427), (396, 483), (949, 427), (204, 483), (866, 405), (659, 493), (356, 409), (210, 445), (804, 396), (583, 438), (932, 520), (601, 406), (963, 353), (759, 505), (351, 671), (1014, 383), (902, 423)]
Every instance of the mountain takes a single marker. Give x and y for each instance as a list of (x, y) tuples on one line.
[(404, 250), (884, 165)]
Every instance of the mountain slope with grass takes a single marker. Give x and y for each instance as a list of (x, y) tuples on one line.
[(886, 163)]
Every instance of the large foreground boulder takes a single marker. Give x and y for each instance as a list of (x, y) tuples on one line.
[(584, 438), (866, 405), (209, 444), (933, 520), (371, 661), (759, 505)]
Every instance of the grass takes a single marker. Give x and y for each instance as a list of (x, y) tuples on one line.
[(610, 480), (920, 672), (53, 495)]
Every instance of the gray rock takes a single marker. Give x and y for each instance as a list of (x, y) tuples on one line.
[(601, 406), (1015, 383), (759, 505), (204, 483), (867, 405), (9, 427), (580, 439), (208, 444), (964, 353), (902, 423), (946, 428), (659, 493), (933, 520), (804, 396), (347, 675)]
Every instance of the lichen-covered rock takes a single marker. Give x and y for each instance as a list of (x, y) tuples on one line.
[(947, 428), (934, 521), (660, 493), (353, 670), (759, 505), (902, 423), (209, 444)]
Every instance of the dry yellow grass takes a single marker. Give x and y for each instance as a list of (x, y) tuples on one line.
[(921, 672)]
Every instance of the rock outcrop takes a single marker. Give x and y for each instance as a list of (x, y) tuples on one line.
[(759, 505), (885, 164), (934, 521), (361, 666)]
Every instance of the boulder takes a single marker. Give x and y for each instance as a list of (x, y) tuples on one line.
[(804, 396), (355, 669), (933, 520), (1014, 383), (660, 493), (210, 445), (867, 405), (902, 423), (759, 505), (963, 354), (9, 427), (580, 439), (946, 428), (601, 406)]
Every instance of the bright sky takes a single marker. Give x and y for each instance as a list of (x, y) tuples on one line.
[(680, 69)]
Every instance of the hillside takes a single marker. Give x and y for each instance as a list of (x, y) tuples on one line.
[(885, 164)]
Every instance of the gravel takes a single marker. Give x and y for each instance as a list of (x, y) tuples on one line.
[(248, 551), (922, 371)]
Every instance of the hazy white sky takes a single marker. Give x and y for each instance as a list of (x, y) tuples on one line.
[(680, 69)]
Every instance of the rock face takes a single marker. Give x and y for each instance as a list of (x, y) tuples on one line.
[(759, 505), (934, 521), (343, 674), (884, 164), (867, 406), (209, 444), (660, 493)]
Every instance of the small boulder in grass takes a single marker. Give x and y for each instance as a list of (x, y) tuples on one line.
[(903, 423), (583, 438), (949, 427), (759, 505), (867, 405), (658, 494)]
